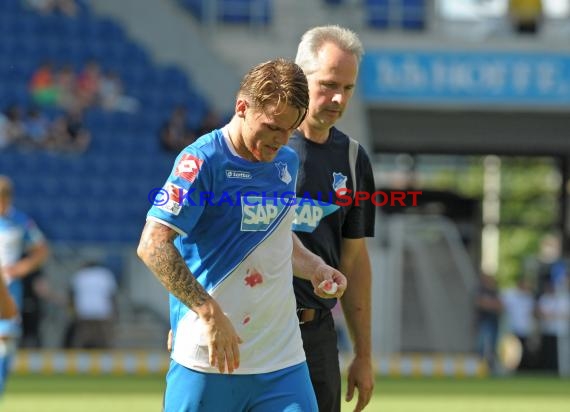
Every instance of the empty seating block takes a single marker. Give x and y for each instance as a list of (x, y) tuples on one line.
[(405, 14), (256, 12)]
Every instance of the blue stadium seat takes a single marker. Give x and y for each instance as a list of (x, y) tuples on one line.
[(110, 31), (377, 13), (10, 6), (414, 14), (195, 7), (233, 11), (406, 14)]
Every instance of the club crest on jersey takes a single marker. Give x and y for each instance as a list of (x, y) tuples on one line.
[(283, 172), (339, 181), (188, 167)]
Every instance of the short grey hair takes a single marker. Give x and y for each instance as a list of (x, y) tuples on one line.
[(314, 39)]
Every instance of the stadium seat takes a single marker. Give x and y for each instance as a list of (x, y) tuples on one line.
[(233, 11), (377, 13), (405, 14), (413, 14), (10, 6)]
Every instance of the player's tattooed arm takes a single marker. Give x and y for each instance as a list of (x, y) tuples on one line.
[(156, 249)]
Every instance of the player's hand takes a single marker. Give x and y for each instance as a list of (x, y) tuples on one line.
[(323, 278), (361, 376), (222, 339)]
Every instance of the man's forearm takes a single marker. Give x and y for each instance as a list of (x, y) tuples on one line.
[(162, 258), (356, 304), (305, 262), (357, 312)]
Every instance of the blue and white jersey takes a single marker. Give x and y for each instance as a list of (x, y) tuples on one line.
[(18, 233), (234, 218)]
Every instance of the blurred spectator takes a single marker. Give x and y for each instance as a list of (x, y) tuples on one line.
[(554, 318), (519, 309), (67, 7), (42, 6), (525, 15), (68, 134), (79, 137), (489, 307), (88, 83), (70, 91), (175, 134), (112, 97), (93, 295), (36, 126), (211, 121), (14, 126), (66, 84), (42, 85), (551, 268)]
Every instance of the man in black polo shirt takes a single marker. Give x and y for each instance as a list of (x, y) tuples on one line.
[(330, 56)]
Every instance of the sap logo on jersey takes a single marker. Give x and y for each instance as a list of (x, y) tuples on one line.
[(258, 213), (308, 216)]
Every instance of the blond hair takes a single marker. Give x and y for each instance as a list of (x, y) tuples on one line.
[(276, 82)]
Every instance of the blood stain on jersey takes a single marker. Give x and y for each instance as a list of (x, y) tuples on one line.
[(253, 278), (188, 167), (246, 320)]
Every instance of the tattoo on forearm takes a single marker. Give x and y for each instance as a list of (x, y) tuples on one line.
[(170, 269)]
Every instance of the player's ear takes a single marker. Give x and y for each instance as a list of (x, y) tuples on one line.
[(241, 106)]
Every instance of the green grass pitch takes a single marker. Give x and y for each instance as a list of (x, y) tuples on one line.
[(142, 394)]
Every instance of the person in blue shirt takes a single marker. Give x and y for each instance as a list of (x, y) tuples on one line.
[(220, 241), (23, 249)]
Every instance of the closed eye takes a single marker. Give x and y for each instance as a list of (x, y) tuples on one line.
[(336, 86)]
